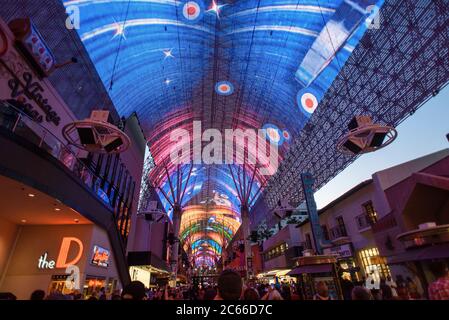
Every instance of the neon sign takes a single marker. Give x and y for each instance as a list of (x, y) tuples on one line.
[(61, 261), (33, 91)]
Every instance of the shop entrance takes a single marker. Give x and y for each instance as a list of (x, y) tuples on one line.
[(57, 284), (93, 284)]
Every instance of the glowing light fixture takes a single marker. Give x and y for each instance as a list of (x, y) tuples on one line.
[(215, 8)]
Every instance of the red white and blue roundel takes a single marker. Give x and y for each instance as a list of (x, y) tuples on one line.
[(286, 135), (224, 88), (308, 101), (275, 135), (192, 11)]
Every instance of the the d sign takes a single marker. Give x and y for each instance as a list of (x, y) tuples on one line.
[(64, 252)]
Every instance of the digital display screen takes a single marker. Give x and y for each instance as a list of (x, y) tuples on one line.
[(100, 257)]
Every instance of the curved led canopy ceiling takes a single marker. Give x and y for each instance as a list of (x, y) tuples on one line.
[(249, 64)]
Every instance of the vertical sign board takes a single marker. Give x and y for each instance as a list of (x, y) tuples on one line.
[(307, 186)]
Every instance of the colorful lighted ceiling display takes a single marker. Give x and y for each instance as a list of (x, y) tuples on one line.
[(206, 229), (229, 64), (207, 182)]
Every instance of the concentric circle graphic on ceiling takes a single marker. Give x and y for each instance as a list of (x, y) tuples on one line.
[(274, 134), (224, 88), (286, 135), (307, 101), (192, 11)]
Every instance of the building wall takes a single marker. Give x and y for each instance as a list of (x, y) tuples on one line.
[(148, 237), (279, 262), (387, 178), (398, 194), (289, 235), (349, 209), (394, 175), (100, 238), (8, 234), (23, 275), (133, 159), (385, 238)]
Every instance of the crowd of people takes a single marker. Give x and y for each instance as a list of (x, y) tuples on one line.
[(230, 286)]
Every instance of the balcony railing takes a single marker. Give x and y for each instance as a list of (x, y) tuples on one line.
[(365, 221), (337, 232), (19, 123), (425, 237)]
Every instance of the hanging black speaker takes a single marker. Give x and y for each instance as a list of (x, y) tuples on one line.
[(378, 139), (86, 136), (352, 147), (113, 145)]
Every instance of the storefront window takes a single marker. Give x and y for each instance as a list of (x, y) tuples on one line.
[(93, 284), (349, 270), (372, 262), (58, 284), (276, 251)]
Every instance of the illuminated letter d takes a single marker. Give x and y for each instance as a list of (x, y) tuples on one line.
[(64, 252)]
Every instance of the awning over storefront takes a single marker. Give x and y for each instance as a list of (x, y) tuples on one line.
[(147, 258), (283, 273), (318, 268), (427, 253), (274, 273)]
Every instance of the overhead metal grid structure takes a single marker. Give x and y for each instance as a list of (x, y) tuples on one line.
[(392, 72)]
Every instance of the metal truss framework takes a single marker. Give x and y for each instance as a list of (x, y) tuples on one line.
[(391, 73), (175, 197)]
